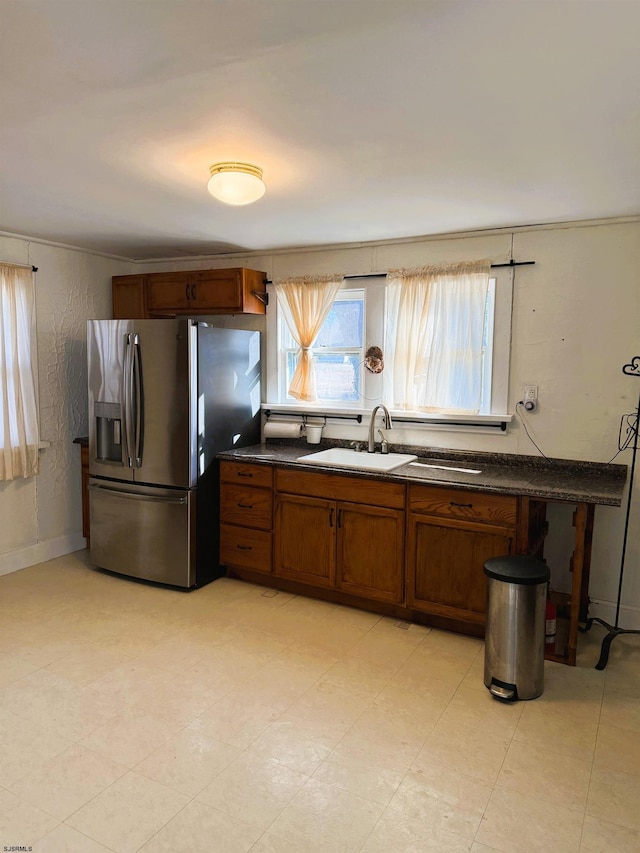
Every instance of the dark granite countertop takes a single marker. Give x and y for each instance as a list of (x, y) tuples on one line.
[(534, 476)]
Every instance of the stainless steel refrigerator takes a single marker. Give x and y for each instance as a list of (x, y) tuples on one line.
[(165, 396)]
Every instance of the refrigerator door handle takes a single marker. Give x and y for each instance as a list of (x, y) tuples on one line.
[(126, 400), (137, 402), (135, 497)]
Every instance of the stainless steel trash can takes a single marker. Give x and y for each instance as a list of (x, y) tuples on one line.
[(515, 627)]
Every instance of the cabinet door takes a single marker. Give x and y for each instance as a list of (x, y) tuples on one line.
[(218, 290), (128, 297), (171, 291), (229, 291), (370, 551), (445, 563), (305, 539)]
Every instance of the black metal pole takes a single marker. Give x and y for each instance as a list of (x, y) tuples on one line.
[(613, 631), (626, 521)]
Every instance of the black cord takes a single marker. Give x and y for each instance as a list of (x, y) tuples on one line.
[(520, 403), (632, 427)]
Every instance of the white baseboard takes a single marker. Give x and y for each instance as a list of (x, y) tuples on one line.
[(629, 616), (41, 552)]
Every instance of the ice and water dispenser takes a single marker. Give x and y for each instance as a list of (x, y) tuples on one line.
[(108, 432)]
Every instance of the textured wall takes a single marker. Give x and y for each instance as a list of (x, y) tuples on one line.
[(41, 517), (576, 321)]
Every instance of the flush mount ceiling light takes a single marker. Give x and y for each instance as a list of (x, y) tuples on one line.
[(236, 183)]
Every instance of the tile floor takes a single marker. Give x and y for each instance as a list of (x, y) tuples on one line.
[(235, 719)]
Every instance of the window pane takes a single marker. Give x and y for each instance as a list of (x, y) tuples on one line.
[(337, 375), (343, 326)]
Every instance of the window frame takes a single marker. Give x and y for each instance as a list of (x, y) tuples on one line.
[(494, 410), (285, 350)]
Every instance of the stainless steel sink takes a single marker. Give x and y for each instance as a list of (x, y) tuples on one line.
[(342, 457)]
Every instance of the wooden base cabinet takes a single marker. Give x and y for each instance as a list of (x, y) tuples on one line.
[(450, 535), (345, 539), (246, 516), (446, 559), (370, 552), (340, 544), (305, 539), (86, 525)]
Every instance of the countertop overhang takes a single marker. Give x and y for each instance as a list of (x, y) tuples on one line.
[(500, 473)]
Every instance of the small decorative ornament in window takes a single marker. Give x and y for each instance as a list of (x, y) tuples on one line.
[(373, 360)]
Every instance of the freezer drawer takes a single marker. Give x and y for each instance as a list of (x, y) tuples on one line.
[(143, 532)]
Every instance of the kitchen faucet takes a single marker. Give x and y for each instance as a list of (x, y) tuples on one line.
[(387, 425)]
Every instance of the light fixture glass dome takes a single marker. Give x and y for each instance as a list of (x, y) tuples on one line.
[(236, 183)]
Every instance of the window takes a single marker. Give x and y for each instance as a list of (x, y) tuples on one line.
[(338, 351), (357, 321), (18, 407)]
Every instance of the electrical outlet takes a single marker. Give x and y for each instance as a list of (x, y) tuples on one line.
[(530, 398)]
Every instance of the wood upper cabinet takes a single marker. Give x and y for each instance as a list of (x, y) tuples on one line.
[(194, 292), (324, 536), (450, 535), (128, 297)]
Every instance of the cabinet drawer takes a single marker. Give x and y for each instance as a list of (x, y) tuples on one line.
[(334, 487), (246, 506), (457, 503), (246, 473), (240, 546)]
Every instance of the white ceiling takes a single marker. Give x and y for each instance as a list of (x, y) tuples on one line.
[(372, 119)]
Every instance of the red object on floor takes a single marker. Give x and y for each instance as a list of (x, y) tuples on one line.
[(550, 629)]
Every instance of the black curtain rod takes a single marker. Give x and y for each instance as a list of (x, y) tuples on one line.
[(24, 266), (383, 274), (514, 264)]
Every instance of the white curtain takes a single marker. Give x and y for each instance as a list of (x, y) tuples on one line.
[(305, 302), (434, 334), (19, 434)]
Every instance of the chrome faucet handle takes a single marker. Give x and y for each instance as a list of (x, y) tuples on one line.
[(357, 446), (384, 444)]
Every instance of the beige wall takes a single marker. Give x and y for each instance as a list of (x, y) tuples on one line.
[(40, 518), (576, 321)]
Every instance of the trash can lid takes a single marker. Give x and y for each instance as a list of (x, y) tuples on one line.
[(518, 569)]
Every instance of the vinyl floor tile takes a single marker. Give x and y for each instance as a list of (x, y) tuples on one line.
[(238, 719)]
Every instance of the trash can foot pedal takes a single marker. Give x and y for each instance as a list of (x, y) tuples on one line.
[(502, 691)]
